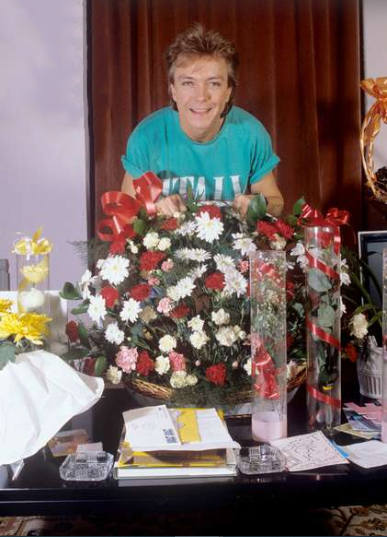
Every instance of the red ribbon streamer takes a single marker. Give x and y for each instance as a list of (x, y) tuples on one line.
[(263, 367), (316, 263), (122, 208), (322, 397), (321, 334)]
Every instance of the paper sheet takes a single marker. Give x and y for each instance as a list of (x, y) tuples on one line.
[(308, 451), (155, 429), (369, 454), (39, 393)]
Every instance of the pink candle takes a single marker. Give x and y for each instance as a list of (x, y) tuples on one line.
[(268, 426)]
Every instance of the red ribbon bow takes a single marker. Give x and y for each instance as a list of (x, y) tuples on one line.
[(122, 208), (263, 368)]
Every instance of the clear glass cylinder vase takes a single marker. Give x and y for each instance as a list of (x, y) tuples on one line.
[(268, 345), (33, 283), (384, 350), (322, 249)]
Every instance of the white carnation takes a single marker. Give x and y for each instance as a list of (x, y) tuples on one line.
[(198, 339), (359, 325), (247, 367), (220, 317), (167, 343), (178, 379), (226, 336), (196, 323), (162, 365), (113, 374), (164, 244), (151, 240), (191, 380)]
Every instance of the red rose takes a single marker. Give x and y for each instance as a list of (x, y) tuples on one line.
[(180, 311), (215, 281), (118, 246), (351, 352), (216, 374), (140, 292), (170, 224), (212, 210), (267, 229), (144, 364), (285, 230), (72, 331), (150, 260), (110, 294)]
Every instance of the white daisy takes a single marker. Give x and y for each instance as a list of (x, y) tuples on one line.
[(299, 252), (224, 262), (162, 365), (199, 255), (115, 269), (344, 276), (197, 272), (167, 343), (151, 240), (130, 310), (183, 253), (113, 334), (86, 280), (196, 323), (343, 307), (173, 293), (243, 243), (198, 339), (185, 287), (186, 229), (207, 228), (97, 308), (234, 283)]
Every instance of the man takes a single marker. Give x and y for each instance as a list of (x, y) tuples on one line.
[(203, 141)]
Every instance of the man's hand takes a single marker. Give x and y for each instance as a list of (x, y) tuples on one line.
[(170, 205), (241, 203)]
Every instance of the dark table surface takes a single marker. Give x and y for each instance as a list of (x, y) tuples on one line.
[(40, 490)]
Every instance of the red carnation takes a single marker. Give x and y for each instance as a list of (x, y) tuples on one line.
[(216, 374), (72, 331), (267, 229), (110, 294), (144, 364), (212, 210), (215, 281), (351, 352), (170, 224), (140, 292), (284, 229), (118, 246), (180, 311), (150, 260), (128, 232)]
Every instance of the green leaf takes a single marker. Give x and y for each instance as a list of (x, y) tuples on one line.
[(297, 207), (7, 354), (362, 308), (75, 353), (139, 226), (83, 335), (257, 209), (70, 292), (318, 281), (326, 316), (100, 365), (80, 309)]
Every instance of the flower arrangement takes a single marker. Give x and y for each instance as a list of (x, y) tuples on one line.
[(19, 332), (169, 301)]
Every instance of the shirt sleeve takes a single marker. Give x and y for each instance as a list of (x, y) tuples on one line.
[(136, 159), (263, 158)]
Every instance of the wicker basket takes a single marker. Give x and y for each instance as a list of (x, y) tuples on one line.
[(160, 394)]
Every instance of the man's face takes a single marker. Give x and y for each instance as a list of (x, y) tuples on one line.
[(200, 90)]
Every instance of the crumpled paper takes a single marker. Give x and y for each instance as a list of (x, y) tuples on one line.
[(39, 393)]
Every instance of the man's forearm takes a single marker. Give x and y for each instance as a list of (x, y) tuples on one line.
[(275, 205)]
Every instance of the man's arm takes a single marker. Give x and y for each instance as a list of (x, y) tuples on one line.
[(168, 205), (267, 186)]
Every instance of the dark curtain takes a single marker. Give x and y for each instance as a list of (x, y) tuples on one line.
[(299, 74)]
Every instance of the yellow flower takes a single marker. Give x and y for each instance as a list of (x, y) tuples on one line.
[(36, 273), (31, 326), (5, 305)]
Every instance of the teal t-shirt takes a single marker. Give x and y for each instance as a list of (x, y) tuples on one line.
[(239, 155)]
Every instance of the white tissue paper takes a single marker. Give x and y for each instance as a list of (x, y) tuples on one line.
[(39, 393)]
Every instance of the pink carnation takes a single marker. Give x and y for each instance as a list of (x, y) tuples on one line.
[(164, 305), (126, 359), (243, 266), (152, 280), (177, 361), (166, 266)]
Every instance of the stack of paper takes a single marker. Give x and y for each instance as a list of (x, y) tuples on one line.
[(187, 442)]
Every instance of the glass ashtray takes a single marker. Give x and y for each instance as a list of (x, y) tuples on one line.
[(86, 466), (263, 459)]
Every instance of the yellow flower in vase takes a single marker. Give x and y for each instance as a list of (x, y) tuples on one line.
[(5, 305), (36, 273), (30, 326)]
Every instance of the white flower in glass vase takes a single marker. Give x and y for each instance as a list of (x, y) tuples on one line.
[(359, 326)]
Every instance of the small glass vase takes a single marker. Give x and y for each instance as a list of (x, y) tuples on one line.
[(268, 345), (33, 283), (322, 245)]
